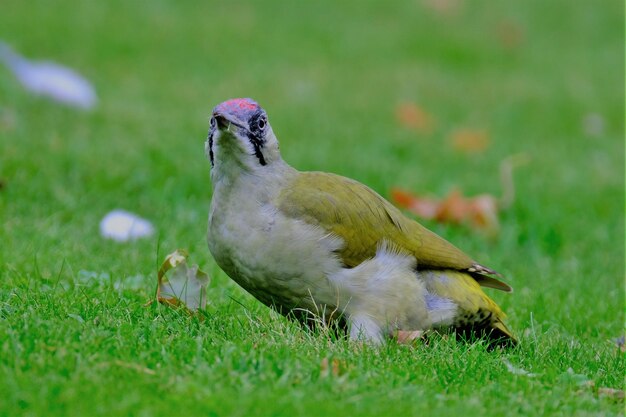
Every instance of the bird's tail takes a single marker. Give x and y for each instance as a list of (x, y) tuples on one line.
[(495, 332), (477, 315), (501, 333)]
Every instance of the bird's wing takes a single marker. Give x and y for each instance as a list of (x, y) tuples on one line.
[(365, 220)]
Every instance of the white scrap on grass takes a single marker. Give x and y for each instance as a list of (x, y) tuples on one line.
[(594, 124), (517, 371), (50, 79), (122, 226)]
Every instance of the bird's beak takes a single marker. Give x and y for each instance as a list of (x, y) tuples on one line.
[(224, 122)]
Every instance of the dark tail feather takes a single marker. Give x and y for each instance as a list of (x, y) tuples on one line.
[(490, 282), (496, 333)]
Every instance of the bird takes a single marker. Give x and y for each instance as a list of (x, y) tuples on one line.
[(326, 249)]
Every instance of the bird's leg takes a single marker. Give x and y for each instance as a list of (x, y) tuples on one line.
[(364, 328), (382, 295)]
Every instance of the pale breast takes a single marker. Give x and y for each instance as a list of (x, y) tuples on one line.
[(277, 259)]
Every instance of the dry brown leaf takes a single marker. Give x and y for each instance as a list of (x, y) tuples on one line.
[(469, 140), (422, 206), (333, 367), (614, 393), (135, 367), (407, 337), (480, 212), (510, 34), (610, 393), (414, 117), (444, 7), (180, 285)]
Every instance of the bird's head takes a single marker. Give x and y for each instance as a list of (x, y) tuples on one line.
[(241, 137)]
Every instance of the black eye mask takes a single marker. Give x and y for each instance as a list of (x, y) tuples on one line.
[(257, 125)]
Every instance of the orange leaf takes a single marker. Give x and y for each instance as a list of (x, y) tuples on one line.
[(452, 209), (424, 207), (484, 210), (444, 7), (470, 141), (406, 337), (480, 212), (413, 117), (510, 34), (334, 367)]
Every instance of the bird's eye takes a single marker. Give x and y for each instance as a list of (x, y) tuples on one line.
[(212, 122), (262, 123)]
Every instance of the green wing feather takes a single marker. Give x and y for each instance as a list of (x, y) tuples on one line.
[(363, 219)]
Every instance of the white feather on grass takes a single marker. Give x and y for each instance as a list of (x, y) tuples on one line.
[(49, 79), (122, 226)]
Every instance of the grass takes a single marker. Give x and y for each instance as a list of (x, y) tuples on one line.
[(75, 339)]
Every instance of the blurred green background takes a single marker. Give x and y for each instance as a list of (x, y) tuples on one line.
[(541, 78)]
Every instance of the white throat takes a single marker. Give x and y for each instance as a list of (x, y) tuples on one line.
[(234, 157)]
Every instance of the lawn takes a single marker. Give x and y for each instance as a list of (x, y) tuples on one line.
[(75, 337)]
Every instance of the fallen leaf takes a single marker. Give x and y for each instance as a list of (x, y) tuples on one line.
[(422, 206), (333, 367), (413, 117), (444, 7), (180, 285), (122, 226), (480, 212), (585, 384), (3, 183), (128, 365), (614, 393), (469, 140), (407, 337), (49, 79), (510, 34)]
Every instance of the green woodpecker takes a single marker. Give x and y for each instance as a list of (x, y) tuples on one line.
[(318, 245)]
